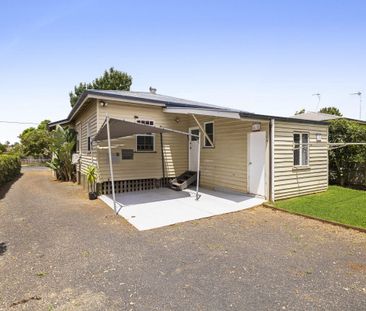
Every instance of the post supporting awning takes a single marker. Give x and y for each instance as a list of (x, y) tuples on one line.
[(110, 162)]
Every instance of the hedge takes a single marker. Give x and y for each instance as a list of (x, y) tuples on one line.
[(9, 168)]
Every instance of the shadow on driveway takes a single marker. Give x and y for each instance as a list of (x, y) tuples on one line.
[(3, 248), (6, 187)]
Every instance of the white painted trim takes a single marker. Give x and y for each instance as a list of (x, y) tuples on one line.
[(301, 144), (202, 129), (204, 112), (153, 135), (249, 160)]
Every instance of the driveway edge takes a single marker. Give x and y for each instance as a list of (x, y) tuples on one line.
[(334, 223)]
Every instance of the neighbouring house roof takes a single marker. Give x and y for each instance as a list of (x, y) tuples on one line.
[(320, 116), (169, 103), (316, 116)]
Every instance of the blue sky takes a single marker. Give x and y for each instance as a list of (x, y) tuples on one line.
[(260, 56)]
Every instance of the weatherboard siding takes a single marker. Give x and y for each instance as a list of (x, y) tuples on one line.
[(290, 181), (226, 166), (145, 164), (87, 115)]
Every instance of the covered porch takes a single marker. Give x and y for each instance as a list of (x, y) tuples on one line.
[(224, 174), (157, 208)]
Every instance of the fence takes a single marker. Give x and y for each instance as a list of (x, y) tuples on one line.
[(353, 176), (30, 161)]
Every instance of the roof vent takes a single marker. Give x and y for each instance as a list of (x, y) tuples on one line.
[(152, 90)]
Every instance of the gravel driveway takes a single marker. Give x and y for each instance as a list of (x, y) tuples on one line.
[(59, 251)]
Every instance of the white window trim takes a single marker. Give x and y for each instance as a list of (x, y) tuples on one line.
[(300, 165), (153, 135), (213, 133)]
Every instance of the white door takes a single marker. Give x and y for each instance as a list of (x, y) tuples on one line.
[(256, 163), (193, 149)]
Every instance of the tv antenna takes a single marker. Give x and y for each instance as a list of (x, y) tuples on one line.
[(317, 105), (360, 96)]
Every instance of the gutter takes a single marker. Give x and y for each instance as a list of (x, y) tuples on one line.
[(285, 119)]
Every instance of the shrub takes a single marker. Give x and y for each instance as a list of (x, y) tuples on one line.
[(347, 164), (62, 147), (9, 168)]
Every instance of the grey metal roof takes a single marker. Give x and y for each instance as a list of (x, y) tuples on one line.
[(170, 102), (315, 116)]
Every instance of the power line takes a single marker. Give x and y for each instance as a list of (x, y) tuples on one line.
[(18, 122)]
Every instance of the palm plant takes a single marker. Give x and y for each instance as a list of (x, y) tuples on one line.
[(62, 147), (91, 176)]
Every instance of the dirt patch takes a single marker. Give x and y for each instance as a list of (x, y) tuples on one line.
[(357, 267)]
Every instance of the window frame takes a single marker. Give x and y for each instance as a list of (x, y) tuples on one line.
[(152, 123), (78, 137), (209, 146), (301, 146), (88, 137)]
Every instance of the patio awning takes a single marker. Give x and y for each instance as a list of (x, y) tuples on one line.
[(116, 128), (121, 128)]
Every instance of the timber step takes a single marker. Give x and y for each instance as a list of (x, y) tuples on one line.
[(183, 181)]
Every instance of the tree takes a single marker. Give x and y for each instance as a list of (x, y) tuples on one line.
[(331, 110), (36, 141), (300, 111), (110, 80), (2, 148)]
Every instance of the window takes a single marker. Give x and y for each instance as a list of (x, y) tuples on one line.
[(78, 135), (88, 130), (145, 142), (127, 154), (77, 142), (301, 149), (209, 129)]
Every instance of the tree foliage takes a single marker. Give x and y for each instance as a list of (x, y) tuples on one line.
[(36, 141), (345, 162), (331, 110), (110, 80), (62, 147), (301, 111), (3, 148), (9, 168)]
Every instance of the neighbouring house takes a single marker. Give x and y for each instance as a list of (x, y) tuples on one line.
[(320, 116), (269, 156)]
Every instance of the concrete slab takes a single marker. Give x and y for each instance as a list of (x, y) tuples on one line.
[(163, 207)]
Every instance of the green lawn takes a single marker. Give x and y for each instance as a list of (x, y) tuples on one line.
[(338, 204)]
